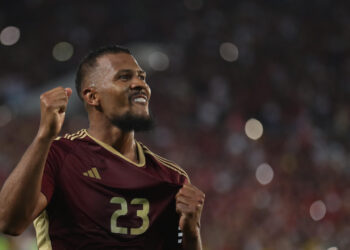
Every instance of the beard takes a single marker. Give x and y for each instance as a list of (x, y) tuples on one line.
[(129, 122)]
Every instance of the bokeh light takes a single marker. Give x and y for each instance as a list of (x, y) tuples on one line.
[(158, 61), (63, 51), (253, 129), (318, 210), (10, 35), (332, 248), (264, 174), (223, 182), (229, 52)]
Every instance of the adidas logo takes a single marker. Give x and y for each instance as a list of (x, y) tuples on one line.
[(93, 173)]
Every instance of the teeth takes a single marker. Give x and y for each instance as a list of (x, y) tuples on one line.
[(140, 100)]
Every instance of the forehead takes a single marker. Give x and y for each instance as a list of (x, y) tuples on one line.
[(118, 61)]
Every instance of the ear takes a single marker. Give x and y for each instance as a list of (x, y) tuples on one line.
[(90, 96)]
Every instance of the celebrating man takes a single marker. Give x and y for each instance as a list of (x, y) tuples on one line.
[(100, 188)]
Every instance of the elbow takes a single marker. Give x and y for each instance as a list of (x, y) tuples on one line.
[(5, 228), (13, 224), (11, 232)]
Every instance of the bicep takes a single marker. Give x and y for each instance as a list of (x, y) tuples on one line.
[(40, 205)]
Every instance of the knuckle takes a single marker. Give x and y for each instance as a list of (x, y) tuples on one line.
[(43, 97), (44, 102)]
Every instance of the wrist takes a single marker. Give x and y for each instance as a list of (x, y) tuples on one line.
[(191, 231), (44, 137), (192, 240)]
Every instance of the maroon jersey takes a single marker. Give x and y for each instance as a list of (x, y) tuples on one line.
[(98, 199)]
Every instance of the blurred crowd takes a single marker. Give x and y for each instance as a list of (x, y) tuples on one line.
[(291, 72)]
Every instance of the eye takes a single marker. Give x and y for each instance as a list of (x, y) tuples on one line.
[(125, 77), (142, 77)]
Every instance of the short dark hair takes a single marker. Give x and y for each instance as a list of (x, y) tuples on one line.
[(89, 62)]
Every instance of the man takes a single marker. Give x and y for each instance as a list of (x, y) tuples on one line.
[(100, 188)]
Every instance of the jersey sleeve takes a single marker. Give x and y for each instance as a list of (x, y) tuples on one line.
[(52, 165)]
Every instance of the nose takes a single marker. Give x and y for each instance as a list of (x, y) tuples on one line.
[(139, 84)]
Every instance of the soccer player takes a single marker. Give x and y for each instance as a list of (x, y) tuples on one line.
[(100, 188)]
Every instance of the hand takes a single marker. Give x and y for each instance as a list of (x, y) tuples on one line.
[(53, 104), (189, 204)]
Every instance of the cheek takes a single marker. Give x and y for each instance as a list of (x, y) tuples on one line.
[(112, 100)]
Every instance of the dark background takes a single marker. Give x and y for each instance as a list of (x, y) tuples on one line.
[(292, 74)]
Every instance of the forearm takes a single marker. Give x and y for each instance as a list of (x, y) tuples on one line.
[(189, 203), (192, 240), (20, 192)]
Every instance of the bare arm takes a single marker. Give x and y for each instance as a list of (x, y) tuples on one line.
[(189, 204), (20, 197)]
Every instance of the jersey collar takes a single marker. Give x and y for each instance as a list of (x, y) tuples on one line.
[(140, 153)]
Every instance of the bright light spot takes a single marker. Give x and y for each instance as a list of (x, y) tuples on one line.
[(193, 4), (253, 129), (158, 61), (5, 115), (63, 51), (332, 248), (264, 174), (229, 52), (318, 210), (10, 35)]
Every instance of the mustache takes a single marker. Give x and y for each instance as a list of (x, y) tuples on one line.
[(138, 92)]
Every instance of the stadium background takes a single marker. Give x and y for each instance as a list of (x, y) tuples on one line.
[(251, 98)]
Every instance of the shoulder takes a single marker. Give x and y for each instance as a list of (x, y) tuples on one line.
[(71, 137), (67, 142), (175, 168)]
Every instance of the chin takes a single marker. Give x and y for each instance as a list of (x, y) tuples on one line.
[(134, 122), (142, 114)]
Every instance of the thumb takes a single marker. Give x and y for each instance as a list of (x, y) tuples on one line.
[(68, 91)]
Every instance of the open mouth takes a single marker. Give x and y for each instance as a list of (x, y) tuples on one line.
[(140, 99)]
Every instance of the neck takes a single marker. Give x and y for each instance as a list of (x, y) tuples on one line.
[(123, 142)]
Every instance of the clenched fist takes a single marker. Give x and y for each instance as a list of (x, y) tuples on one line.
[(189, 204), (53, 105)]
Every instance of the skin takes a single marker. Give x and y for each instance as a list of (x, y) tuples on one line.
[(118, 77), (20, 197), (108, 92)]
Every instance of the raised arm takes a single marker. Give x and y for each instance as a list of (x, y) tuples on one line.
[(20, 198), (189, 204)]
